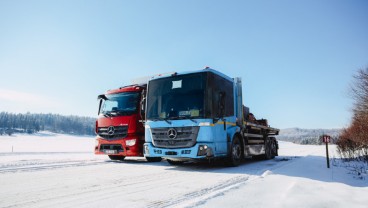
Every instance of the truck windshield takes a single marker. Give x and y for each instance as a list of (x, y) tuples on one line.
[(177, 97), (120, 104)]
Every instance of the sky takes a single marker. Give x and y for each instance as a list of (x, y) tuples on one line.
[(296, 58)]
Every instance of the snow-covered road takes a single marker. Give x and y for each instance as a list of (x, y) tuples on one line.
[(297, 178)]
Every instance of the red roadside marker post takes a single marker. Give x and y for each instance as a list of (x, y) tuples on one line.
[(326, 140)]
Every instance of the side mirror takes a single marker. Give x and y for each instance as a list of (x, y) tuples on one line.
[(222, 107), (221, 104), (143, 101), (143, 105), (99, 107), (101, 98)]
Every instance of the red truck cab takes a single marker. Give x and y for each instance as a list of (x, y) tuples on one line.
[(119, 126)]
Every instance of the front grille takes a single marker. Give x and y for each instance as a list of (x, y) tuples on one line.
[(116, 147), (186, 137), (117, 133)]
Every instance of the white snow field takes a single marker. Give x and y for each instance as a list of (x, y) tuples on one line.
[(54, 170)]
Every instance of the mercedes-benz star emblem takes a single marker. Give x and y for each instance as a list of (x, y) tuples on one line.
[(172, 133), (110, 130)]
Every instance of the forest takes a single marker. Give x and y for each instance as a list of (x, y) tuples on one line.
[(11, 123)]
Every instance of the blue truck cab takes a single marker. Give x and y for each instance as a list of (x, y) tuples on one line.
[(196, 115)]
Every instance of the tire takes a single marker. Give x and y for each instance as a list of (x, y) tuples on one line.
[(116, 157), (173, 162), (271, 149), (236, 153), (274, 148), (153, 159)]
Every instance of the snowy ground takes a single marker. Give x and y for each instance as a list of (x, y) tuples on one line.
[(51, 170)]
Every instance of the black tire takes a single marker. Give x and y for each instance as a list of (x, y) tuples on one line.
[(270, 151), (116, 157), (236, 153), (173, 162), (153, 159), (274, 148)]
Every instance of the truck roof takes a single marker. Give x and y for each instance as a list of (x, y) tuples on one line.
[(129, 88), (207, 69)]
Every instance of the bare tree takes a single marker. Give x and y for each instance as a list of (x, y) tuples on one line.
[(353, 142), (359, 91)]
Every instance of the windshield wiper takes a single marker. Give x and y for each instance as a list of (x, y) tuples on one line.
[(184, 117), (119, 112), (122, 112), (162, 119), (107, 114)]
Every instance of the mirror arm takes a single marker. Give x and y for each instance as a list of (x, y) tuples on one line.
[(99, 107)]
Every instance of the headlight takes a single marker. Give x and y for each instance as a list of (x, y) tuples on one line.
[(96, 142), (146, 150), (130, 142), (204, 150)]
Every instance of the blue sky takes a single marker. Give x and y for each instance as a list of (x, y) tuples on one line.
[(296, 58)]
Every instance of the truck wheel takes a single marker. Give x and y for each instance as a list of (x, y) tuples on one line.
[(274, 147), (116, 157), (270, 149), (236, 153), (153, 159), (173, 162)]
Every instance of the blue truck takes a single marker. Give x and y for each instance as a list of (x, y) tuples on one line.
[(200, 115)]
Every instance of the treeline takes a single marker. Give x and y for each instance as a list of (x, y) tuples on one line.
[(308, 136), (30, 123), (353, 142), (317, 140)]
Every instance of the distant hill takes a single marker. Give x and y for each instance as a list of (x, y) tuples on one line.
[(307, 136), (30, 123)]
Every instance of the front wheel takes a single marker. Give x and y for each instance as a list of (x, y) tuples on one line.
[(116, 157), (153, 159), (236, 153)]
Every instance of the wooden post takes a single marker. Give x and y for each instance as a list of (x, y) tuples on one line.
[(327, 157), (326, 140)]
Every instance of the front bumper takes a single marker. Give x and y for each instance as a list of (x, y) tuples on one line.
[(199, 151), (119, 147)]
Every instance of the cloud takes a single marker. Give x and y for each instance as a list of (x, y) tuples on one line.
[(11, 95), (28, 101)]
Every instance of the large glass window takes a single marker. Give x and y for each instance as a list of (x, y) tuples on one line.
[(198, 95), (177, 97), (120, 104), (221, 96)]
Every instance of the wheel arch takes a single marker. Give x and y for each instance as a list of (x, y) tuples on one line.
[(231, 133)]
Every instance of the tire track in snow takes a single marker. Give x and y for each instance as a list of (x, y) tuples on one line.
[(99, 192), (198, 197), (202, 194), (146, 183), (36, 166)]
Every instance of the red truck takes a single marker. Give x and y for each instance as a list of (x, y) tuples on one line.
[(120, 123)]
